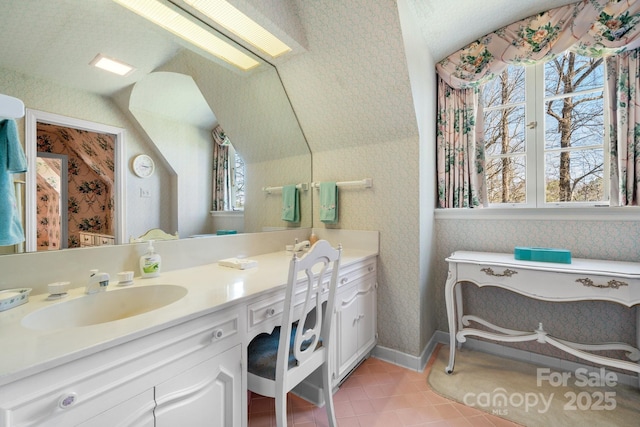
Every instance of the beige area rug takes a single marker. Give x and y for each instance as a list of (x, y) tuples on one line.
[(534, 396)]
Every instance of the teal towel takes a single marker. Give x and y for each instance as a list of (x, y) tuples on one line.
[(290, 204), (12, 160), (328, 202)]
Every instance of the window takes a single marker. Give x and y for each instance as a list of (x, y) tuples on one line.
[(544, 133), (236, 179)]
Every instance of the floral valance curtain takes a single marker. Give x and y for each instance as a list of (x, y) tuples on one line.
[(593, 28), (221, 185)]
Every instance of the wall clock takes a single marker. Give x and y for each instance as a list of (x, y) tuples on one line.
[(143, 166)]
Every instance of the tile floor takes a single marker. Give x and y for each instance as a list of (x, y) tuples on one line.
[(378, 394)]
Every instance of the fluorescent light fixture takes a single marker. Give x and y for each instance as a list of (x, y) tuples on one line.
[(174, 22), (241, 25), (111, 65)]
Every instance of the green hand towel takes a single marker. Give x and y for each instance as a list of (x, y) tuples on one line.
[(290, 204), (328, 202)]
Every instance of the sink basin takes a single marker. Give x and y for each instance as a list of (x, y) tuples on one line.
[(103, 307)]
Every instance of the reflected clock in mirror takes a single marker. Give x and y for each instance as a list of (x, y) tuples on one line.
[(143, 166)]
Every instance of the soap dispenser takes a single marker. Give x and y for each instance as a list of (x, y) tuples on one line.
[(150, 262)]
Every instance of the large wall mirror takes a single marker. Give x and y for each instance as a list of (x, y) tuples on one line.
[(167, 107)]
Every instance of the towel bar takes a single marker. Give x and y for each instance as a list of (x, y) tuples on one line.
[(366, 183), (302, 186)]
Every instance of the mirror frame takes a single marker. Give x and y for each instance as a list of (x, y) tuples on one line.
[(32, 118)]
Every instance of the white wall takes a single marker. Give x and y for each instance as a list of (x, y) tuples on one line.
[(421, 66)]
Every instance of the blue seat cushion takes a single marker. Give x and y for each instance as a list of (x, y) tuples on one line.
[(263, 353)]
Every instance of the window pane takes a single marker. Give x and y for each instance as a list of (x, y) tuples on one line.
[(572, 73), (576, 121), (507, 88), (506, 180), (239, 182), (574, 176), (504, 131)]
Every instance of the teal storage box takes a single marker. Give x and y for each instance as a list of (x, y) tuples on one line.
[(562, 256), (225, 232)]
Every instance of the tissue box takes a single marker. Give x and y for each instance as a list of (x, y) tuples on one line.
[(562, 256), (226, 232)]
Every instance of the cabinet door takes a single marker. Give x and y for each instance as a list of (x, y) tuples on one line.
[(207, 395), (367, 313), (347, 329), (135, 412), (355, 325)]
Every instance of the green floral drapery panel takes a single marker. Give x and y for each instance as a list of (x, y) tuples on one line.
[(595, 28), (623, 82), (460, 156), (221, 185)]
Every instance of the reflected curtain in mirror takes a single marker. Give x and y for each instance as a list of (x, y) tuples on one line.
[(221, 179)]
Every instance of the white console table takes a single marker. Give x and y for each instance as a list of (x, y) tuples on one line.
[(582, 280)]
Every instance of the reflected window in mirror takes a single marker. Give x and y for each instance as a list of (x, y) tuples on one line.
[(236, 176)]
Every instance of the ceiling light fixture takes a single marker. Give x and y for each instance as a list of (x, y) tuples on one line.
[(241, 25), (174, 22), (111, 65)]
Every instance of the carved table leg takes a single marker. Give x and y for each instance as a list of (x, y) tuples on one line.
[(449, 295)]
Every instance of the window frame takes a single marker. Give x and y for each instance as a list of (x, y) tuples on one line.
[(535, 151)]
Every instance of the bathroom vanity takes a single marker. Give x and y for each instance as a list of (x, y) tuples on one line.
[(182, 364)]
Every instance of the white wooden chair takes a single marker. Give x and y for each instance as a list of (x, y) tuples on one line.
[(154, 234), (279, 361)]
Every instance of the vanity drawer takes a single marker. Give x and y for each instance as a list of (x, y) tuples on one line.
[(86, 239), (355, 271), (265, 314), (553, 286)]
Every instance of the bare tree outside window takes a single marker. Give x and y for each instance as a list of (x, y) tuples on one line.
[(574, 135), (505, 146)]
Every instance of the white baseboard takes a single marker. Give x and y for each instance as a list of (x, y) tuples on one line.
[(520, 355), (415, 363)]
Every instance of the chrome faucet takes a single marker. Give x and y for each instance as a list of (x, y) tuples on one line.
[(302, 246), (98, 282)]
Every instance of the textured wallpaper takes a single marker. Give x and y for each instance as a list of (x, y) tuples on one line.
[(391, 207), (352, 95)]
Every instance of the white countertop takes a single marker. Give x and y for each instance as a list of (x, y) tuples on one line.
[(210, 288)]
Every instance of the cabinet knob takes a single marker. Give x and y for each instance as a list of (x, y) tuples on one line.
[(67, 400), (370, 269), (271, 311), (344, 280), (217, 334)]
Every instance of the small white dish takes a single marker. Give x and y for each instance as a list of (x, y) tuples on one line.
[(13, 297)]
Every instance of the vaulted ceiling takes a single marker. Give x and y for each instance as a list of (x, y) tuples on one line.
[(347, 79)]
